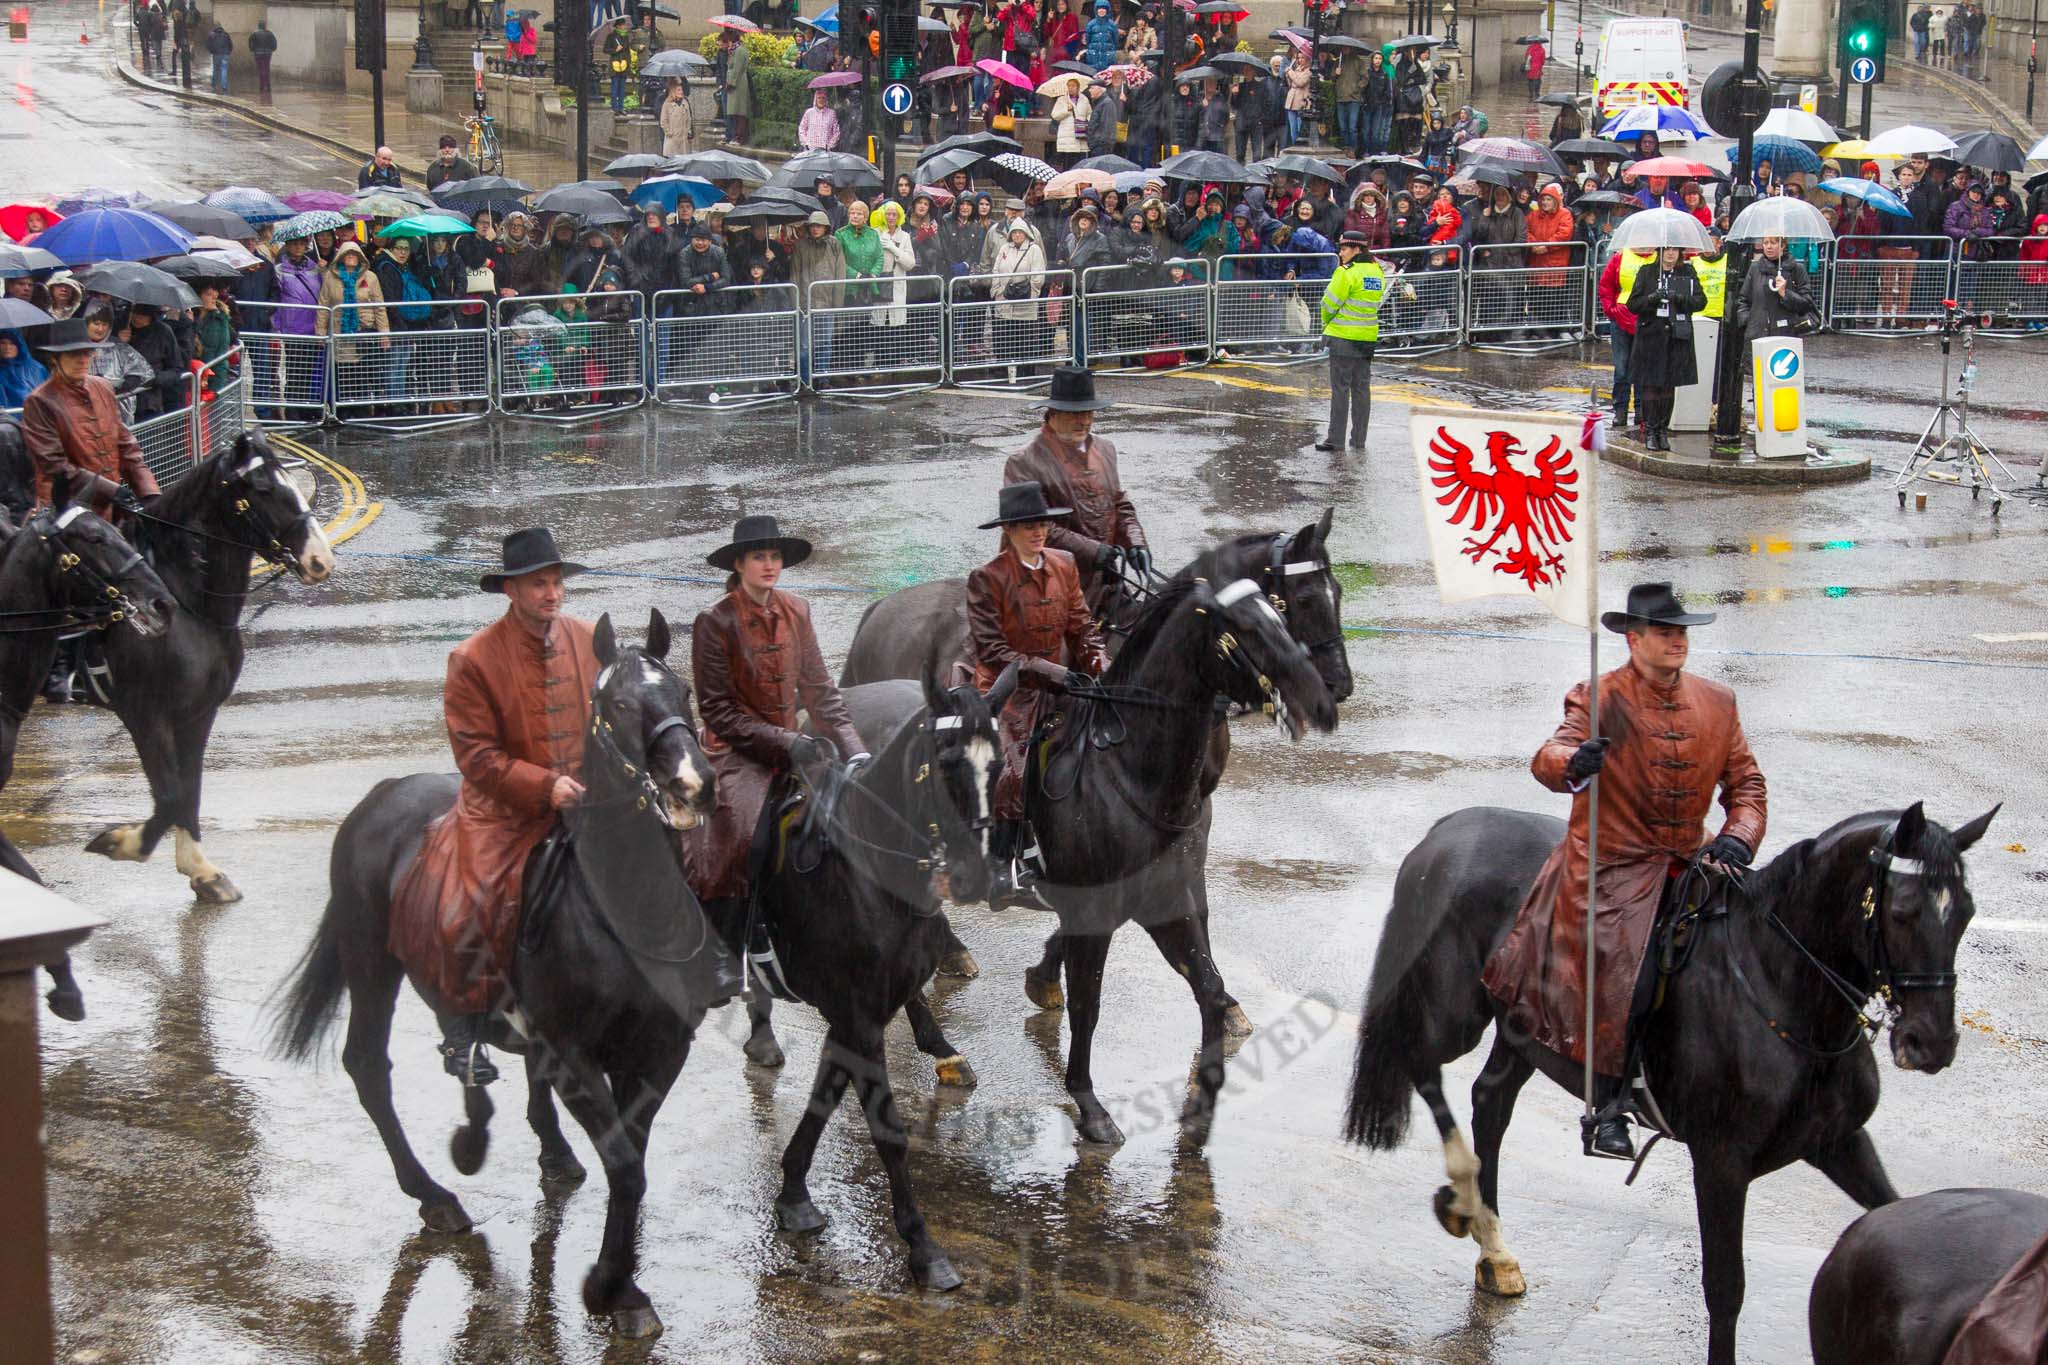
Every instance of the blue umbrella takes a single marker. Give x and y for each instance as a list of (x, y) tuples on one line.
[(667, 190), (113, 235), (250, 205), (1871, 193), (1784, 154), (1655, 118), (96, 198), (827, 20)]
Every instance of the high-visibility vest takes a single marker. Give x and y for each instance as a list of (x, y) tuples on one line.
[(1351, 301), (1631, 262), (1714, 280)]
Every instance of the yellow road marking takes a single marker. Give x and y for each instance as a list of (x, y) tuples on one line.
[(357, 510)]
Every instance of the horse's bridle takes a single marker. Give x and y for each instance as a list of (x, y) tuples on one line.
[(49, 528), (1885, 864), (273, 549), (1278, 571)]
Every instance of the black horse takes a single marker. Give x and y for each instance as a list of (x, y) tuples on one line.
[(1757, 1056), (64, 569), (167, 690), (1899, 1283), (615, 970)]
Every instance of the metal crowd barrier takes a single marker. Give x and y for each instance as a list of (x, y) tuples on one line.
[(288, 370), (723, 358), (994, 341), (1263, 315), (199, 427), (1513, 305), (1131, 320), (2012, 294), (1868, 295), (409, 373), (571, 357), (166, 441), (1433, 319), (1597, 322), (861, 343)]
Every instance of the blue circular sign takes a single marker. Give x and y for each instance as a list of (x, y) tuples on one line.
[(1783, 364), (896, 99), (1863, 71)]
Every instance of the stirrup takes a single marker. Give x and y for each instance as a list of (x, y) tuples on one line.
[(1589, 1132), (469, 1063)]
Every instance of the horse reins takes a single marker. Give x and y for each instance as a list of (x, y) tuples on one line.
[(1278, 571), (50, 531)]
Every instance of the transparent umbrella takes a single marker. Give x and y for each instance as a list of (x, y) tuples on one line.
[(1654, 228), (1779, 217)]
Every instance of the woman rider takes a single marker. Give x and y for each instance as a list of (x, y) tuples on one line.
[(1025, 607), (755, 662)]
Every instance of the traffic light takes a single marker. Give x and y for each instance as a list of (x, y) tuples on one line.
[(1864, 34), (572, 42), (899, 40), (854, 26)]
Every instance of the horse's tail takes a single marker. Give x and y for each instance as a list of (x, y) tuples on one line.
[(1382, 1089), (314, 997)]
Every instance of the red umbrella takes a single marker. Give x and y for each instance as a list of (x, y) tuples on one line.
[(940, 195), (735, 22), (1003, 71), (831, 78), (14, 218), (1676, 167)]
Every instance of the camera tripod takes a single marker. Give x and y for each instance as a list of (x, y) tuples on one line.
[(1940, 446)]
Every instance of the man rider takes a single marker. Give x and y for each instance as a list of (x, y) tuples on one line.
[(1666, 741), (517, 704), (1077, 470)]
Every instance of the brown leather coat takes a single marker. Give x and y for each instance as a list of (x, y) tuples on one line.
[(1671, 748), (1036, 619), (755, 668), (517, 708), (2010, 1325), (1085, 479), (76, 430)]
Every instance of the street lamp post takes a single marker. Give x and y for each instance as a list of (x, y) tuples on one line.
[(1578, 49), (2033, 55), (1451, 24)]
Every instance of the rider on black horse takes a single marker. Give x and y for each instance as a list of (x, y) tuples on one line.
[(1077, 469), (1666, 741)]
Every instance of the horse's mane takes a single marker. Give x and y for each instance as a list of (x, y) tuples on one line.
[(185, 503), (1216, 566), (1806, 872)]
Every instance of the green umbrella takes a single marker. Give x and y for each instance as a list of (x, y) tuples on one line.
[(427, 225)]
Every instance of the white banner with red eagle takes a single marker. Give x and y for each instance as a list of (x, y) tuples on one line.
[(1509, 504)]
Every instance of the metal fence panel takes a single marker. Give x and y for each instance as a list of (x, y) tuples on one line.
[(1129, 320), (166, 442), (859, 340), (994, 341), (1511, 303), (1269, 307), (2013, 295), (566, 357), (1597, 321), (727, 358), (1424, 310), (425, 370), (225, 416), (288, 375), (1876, 294)]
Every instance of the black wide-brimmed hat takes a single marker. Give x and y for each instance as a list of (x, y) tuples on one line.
[(1073, 390), (529, 551), (68, 334), (1654, 604), (1022, 502), (759, 533)]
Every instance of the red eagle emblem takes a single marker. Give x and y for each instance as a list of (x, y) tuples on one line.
[(1537, 507)]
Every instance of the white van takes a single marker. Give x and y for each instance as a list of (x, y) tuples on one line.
[(1642, 61)]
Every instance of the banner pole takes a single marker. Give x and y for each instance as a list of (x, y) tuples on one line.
[(1593, 787)]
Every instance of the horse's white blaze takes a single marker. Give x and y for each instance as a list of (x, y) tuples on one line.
[(1461, 1164), (317, 559), (191, 858), (1942, 901), (982, 755)]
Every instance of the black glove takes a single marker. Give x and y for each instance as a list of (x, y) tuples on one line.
[(1076, 681), (1140, 560), (806, 751), (1587, 760), (1729, 851), (1109, 561), (124, 498)]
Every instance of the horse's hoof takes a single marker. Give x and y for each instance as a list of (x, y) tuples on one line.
[(1503, 1278), (937, 1273), (636, 1324), (960, 964), (216, 890), (564, 1170), (763, 1050), (122, 843), (68, 1005), (467, 1147), (1445, 1206), (1196, 1118), (800, 1217), (1042, 993), (956, 1070), (1102, 1131), (448, 1217), (1236, 1023)]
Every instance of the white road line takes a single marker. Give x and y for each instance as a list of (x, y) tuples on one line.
[(2017, 638), (2017, 926)]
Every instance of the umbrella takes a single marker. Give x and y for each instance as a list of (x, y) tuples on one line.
[(305, 201), (308, 223), (843, 169), (1069, 184), (1134, 76), (775, 194), (1131, 182), (940, 196), (1296, 164), (1239, 60), (942, 165), (1654, 228), (945, 73), (1075, 68), (384, 204), (1344, 42), (832, 78), (577, 200), (250, 205), (1559, 100), (426, 225), (1293, 38), (1415, 40), (1607, 198), (767, 211), (18, 313), (1851, 149), (1056, 84), (988, 144), (1796, 124), (1491, 173), (1528, 38), (1399, 169), (1655, 118), (1108, 161), (95, 198), (493, 192), (1990, 152), (1780, 217), (1003, 71), (1871, 193), (1521, 153), (1783, 153), (196, 218), (669, 190), (193, 268), (676, 61), (828, 23), (734, 22), (1206, 166), (719, 164), (1589, 147), (1222, 7), (927, 24), (637, 163), (1682, 168), (1014, 170), (1198, 73), (113, 235), (14, 218), (2037, 152), (1908, 138), (134, 282)]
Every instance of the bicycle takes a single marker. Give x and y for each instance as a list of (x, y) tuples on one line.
[(485, 152)]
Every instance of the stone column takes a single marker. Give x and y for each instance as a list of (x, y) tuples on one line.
[(1804, 33)]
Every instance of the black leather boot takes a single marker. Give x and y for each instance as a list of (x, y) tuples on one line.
[(463, 1055), (1015, 884)]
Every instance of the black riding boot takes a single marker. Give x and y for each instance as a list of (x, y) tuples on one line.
[(63, 685), (1606, 1132), (462, 1050), (1016, 882)]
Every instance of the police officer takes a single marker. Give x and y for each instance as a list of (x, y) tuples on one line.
[(1351, 329)]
